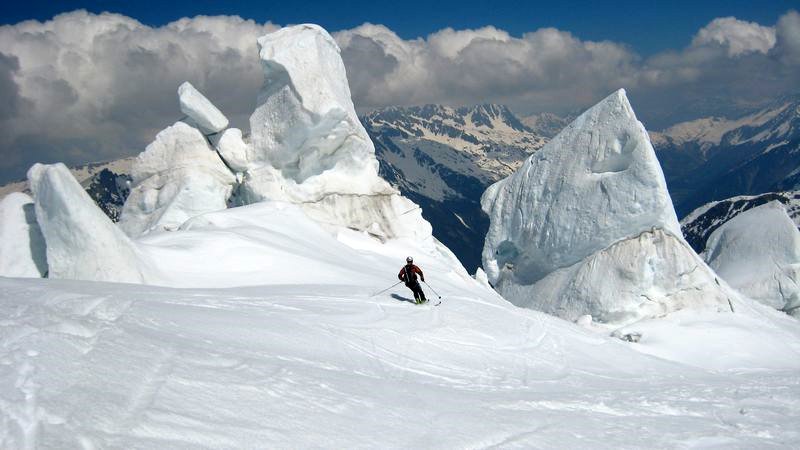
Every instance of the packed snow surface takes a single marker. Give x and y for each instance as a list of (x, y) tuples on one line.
[(307, 356), (586, 226), (22, 249), (82, 242), (200, 110), (758, 253)]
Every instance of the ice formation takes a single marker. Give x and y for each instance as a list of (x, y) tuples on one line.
[(82, 242), (758, 253), (22, 248), (232, 149), (177, 177), (586, 226), (308, 146), (305, 126), (200, 110)]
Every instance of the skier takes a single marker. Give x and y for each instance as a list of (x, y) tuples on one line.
[(408, 275)]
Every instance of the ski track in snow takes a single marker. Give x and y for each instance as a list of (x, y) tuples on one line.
[(94, 365)]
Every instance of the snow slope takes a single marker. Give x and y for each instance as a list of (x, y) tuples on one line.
[(308, 358)]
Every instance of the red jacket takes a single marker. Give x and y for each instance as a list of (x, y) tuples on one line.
[(409, 273)]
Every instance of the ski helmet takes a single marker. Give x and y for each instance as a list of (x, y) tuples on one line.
[(409, 260)]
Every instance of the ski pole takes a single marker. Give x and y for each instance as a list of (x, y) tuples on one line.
[(380, 292), (434, 291)]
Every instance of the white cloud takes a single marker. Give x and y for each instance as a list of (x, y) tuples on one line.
[(738, 36), (93, 87), (547, 67), (85, 87), (788, 37)]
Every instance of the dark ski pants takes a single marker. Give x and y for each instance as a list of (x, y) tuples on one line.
[(417, 290)]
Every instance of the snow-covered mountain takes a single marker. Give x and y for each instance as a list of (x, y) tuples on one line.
[(547, 124), (715, 158), (443, 158), (108, 183)]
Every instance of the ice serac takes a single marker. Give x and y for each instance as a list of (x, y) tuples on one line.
[(22, 248), (232, 149), (307, 144), (82, 242), (177, 177), (758, 253), (586, 226), (200, 110)]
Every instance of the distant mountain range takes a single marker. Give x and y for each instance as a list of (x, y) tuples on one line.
[(714, 158), (443, 158), (700, 223)]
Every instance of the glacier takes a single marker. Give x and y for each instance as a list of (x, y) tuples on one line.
[(758, 253), (270, 324), (22, 247), (586, 226), (82, 243)]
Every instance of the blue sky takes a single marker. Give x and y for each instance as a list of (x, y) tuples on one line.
[(648, 26)]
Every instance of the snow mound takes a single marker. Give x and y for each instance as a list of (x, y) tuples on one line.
[(758, 253), (22, 248), (82, 242), (177, 177), (592, 207), (200, 110)]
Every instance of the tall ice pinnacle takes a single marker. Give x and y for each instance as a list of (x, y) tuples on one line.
[(305, 129), (82, 242), (591, 204)]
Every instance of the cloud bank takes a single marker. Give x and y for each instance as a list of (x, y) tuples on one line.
[(84, 87)]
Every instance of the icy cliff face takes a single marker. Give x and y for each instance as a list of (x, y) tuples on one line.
[(22, 249), (758, 253), (586, 226), (177, 177), (82, 242)]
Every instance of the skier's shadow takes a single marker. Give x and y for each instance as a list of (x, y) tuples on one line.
[(402, 299)]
